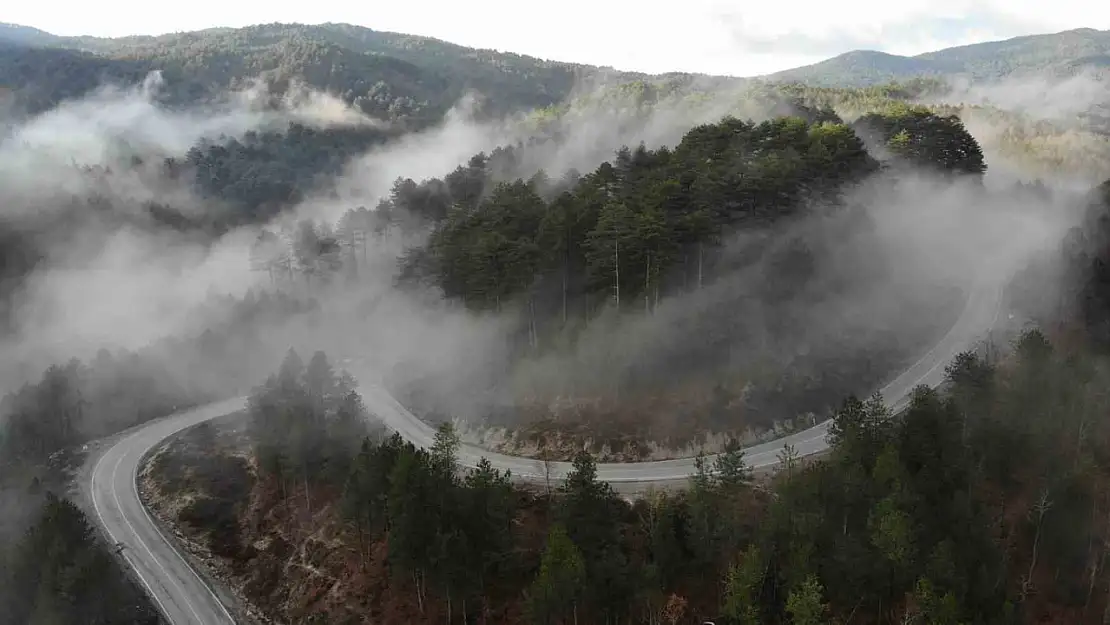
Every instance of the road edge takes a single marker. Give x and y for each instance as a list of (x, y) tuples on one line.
[(79, 491), (240, 608)]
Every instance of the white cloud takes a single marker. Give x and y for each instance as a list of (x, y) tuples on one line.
[(693, 35)]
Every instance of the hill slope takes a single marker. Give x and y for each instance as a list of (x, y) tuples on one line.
[(26, 35), (385, 74), (1063, 53), (417, 78)]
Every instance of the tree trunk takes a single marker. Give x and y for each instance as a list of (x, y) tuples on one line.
[(1095, 559), (547, 473), (686, 271), (419, 591), (699, 265), (361, 545), (307, 497), (617, 272), (565, 271), (1041, 507), (1079, 440), (533, 338), (963, 428)]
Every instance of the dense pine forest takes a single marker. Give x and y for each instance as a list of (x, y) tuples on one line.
[(571, 259), (981, 504)]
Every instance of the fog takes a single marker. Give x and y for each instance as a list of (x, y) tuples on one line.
[(1043, 96), (878, 298), (582, 136), (107, 281), (105, 285), (1063, 117)]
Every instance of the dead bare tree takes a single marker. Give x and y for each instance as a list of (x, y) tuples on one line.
[(545, 469), (1039, 510), (788, 459)]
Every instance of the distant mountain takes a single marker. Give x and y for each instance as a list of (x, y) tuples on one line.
[(1061, 54), (385, 74), (517, 76), (25, 35), (416, 79)]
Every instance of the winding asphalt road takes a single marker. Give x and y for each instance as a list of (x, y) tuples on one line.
[(979, 315), (184, 597), (173, 585)]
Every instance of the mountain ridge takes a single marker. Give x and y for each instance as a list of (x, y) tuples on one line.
[(25, 35), (1069, 45), (400, 76), (1061, 53), (389, 74)]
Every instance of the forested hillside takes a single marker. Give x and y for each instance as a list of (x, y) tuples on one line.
[(386, 75), (575, 261), (1027, 138), (411, 76), (932, 517), (982, 503), (36, 79), (510, 81), (1062, 54), (650, 226)]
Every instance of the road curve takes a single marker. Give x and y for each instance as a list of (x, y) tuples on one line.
[(185, 598), (173, 585), (979, 315)]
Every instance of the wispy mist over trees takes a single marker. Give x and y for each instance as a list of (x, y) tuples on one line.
[(80, 401), (719, 247)]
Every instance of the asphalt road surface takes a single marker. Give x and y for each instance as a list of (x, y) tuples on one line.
[(172, 584), (184, 598)]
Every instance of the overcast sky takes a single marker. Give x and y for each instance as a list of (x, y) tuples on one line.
[(737, 37)]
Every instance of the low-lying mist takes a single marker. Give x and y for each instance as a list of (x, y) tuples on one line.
[(887, 267), (889, 275), (1038, 126), (77, 185), (107, 284)]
